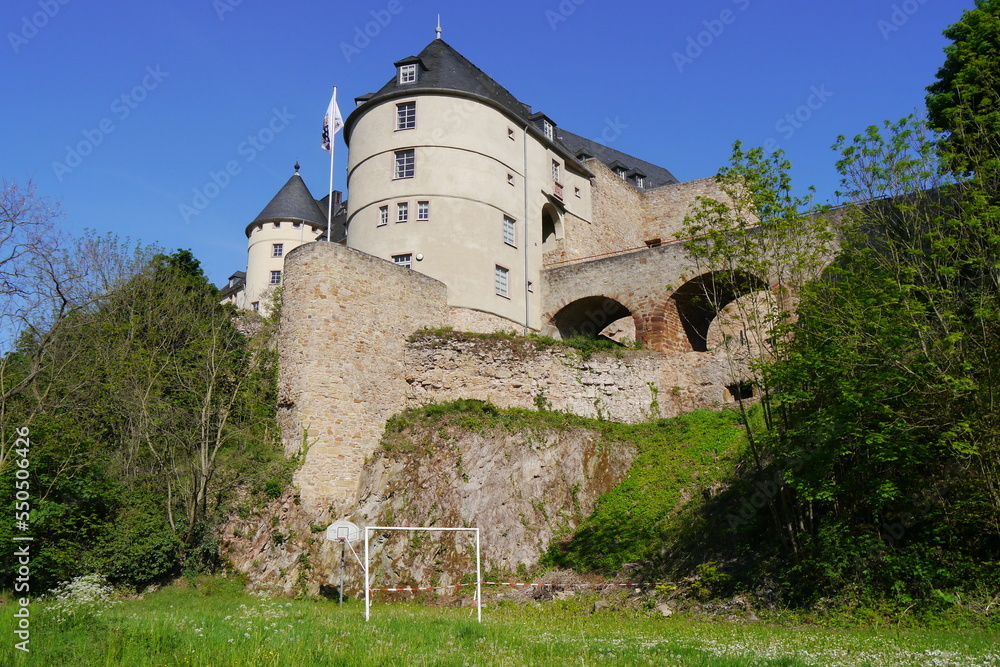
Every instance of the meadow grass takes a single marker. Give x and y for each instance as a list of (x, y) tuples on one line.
[(218, 626)]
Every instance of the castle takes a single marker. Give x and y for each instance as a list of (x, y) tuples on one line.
[(469, 210)]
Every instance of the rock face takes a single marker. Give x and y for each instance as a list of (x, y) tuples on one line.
[(519, 488)]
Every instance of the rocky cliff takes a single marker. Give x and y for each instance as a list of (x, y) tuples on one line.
[(520, 485)]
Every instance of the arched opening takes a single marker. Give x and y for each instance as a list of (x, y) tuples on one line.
[(594, 317), (700, 300), (551, 225)]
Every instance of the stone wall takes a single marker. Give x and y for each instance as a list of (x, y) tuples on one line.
[(665, 207), (625, 218), (467, 319), (617, 222), (345, 320), (630, 386)]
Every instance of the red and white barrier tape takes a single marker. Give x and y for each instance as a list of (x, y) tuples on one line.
[(410, 589)]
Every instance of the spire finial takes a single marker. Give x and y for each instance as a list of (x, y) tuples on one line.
[(438, 29), (296, 165)]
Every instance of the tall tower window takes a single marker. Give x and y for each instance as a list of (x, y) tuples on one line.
[(423, 210), (277, 249), (403, 260), (275, 277), (404, 164), (402, 211), (555, 170), (383, 215), (406, 116), (509, 227), (501, 280)]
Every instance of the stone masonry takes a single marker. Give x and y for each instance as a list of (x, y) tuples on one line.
[(347, 362), (345, 320), (630, 386)]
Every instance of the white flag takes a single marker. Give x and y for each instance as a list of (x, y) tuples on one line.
[(333, 118)]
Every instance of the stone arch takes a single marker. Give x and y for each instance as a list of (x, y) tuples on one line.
[(552, 227), (680, 321), (588, 316), (698, 301)]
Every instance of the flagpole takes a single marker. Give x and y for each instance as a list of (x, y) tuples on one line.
[(329, 201)]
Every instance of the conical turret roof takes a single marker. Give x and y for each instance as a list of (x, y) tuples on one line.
[(293, 202)]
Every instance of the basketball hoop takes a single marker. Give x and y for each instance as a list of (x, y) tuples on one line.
[(345, 532)]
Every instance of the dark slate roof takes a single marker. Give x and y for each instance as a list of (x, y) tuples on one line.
[(293, 202), (655, 176), (442, 68)]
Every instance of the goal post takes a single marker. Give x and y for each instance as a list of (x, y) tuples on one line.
[(367, 571)]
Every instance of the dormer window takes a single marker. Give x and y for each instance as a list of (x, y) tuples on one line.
[(640, 182), (408, 73), (548, 130), (622, 173)]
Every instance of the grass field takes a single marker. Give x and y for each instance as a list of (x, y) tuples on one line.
[(218, 625)]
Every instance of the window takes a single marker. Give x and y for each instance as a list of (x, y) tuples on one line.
[(500, 276), (510, 133), (408, 73), (404, 164), (508, 231), (383, 215), (275, 277), (423, 210), (547, 129), (577, 191), (277, 225), (639, 181), (622, 172), (403, 260), (555, 170), (531, 287), (406, 116), (296, 225), (277, 249), (510, 179), (256, 306), (402, 211)]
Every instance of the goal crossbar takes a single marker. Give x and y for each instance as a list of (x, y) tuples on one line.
[(367, 571)]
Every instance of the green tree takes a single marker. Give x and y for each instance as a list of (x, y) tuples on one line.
[(964, 102), (760, 243), (890, 385), (149, 408)]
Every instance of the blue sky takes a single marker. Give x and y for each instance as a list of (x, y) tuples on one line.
[(124, 111)]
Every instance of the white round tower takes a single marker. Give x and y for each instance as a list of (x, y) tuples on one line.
[(291, 218), (449, 175)]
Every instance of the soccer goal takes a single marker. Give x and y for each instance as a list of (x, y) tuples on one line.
[(367, 571)]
